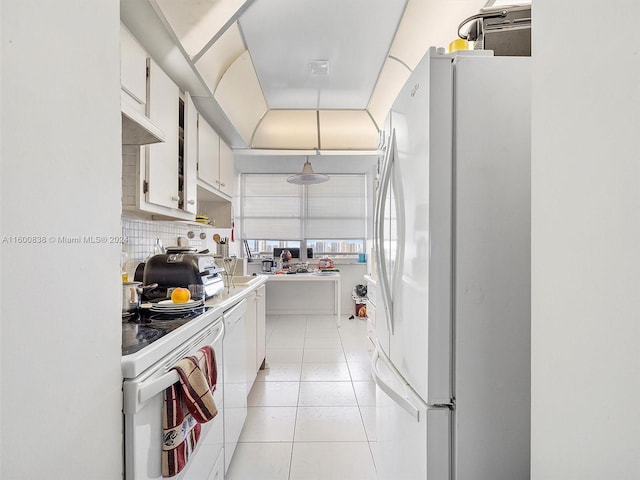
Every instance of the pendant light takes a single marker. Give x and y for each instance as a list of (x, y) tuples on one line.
[(307, 176)]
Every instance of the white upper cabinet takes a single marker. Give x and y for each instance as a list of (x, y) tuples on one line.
[(137, 129), (208, 154), (225, 177), (215, 160), (162, 158), (133, 68), (190, 155)]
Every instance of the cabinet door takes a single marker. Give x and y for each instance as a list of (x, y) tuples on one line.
[(250, 330), (261, 326), (190, 154), (208, 153), (225, 180), (163, 105), (133, 67)]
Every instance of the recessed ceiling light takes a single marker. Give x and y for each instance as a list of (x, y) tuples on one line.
[(319, 67)]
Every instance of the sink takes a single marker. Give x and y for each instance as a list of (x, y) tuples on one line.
[(244, 279)]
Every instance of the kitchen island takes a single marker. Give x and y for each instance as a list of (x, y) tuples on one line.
[(316, 293)]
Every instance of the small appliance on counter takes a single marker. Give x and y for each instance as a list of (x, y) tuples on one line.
[(267, 265), (170, 270)]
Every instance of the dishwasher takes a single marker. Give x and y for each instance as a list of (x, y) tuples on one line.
[(235, 377)]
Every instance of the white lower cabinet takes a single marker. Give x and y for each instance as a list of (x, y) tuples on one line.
[(243, 350), (256, 339), (250, 339), (261, 326), (235, 377)]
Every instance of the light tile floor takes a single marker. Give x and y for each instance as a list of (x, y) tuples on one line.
[(311, 412)]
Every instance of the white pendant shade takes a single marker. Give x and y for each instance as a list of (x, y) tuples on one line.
[(308, 176)]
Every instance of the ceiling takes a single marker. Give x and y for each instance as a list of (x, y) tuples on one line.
[(311, 34), (295, 76)]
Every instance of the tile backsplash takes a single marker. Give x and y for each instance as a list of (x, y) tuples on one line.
[(141, 236)]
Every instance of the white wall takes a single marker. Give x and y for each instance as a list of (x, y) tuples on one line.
[(586, 241), (60, 176)]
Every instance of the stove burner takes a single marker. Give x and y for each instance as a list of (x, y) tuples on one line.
[(137, 336), (145, 327), (176, 316)]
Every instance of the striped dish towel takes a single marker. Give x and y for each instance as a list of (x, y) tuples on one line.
[(186, 406)]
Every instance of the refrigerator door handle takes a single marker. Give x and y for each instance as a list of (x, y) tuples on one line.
[(399, 398), (396, 182), (379, 237)]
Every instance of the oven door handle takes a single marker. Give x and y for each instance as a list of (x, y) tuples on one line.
[(147, 390), (150, 390)]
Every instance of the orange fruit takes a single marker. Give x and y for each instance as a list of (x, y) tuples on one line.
[(180, 295)]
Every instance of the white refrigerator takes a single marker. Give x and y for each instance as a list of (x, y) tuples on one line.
[(452, 363)]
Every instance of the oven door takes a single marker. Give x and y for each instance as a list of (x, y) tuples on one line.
[(143, 402)]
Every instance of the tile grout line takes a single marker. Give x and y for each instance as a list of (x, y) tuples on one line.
[(359, 408), (295, 420)]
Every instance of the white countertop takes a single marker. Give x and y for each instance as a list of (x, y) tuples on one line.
[(243, 287), (297, 277), (134, 364)]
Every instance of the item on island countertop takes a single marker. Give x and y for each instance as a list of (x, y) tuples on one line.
[(285, 256), (325, 263), (267, 265)]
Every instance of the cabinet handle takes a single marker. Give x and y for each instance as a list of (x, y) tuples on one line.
[(175, 198), (222, 184), (191, 202)]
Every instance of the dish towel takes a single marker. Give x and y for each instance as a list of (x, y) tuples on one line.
[(186, 406)]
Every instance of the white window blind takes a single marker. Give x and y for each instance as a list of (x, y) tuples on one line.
[(337, 208), (276, 210), (271, 207)]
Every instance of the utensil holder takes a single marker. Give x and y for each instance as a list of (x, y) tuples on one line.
[(222, 250)]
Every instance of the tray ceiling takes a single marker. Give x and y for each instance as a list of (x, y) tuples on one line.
[(294, 74)]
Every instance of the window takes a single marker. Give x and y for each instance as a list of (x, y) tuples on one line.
[(329, 217)]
